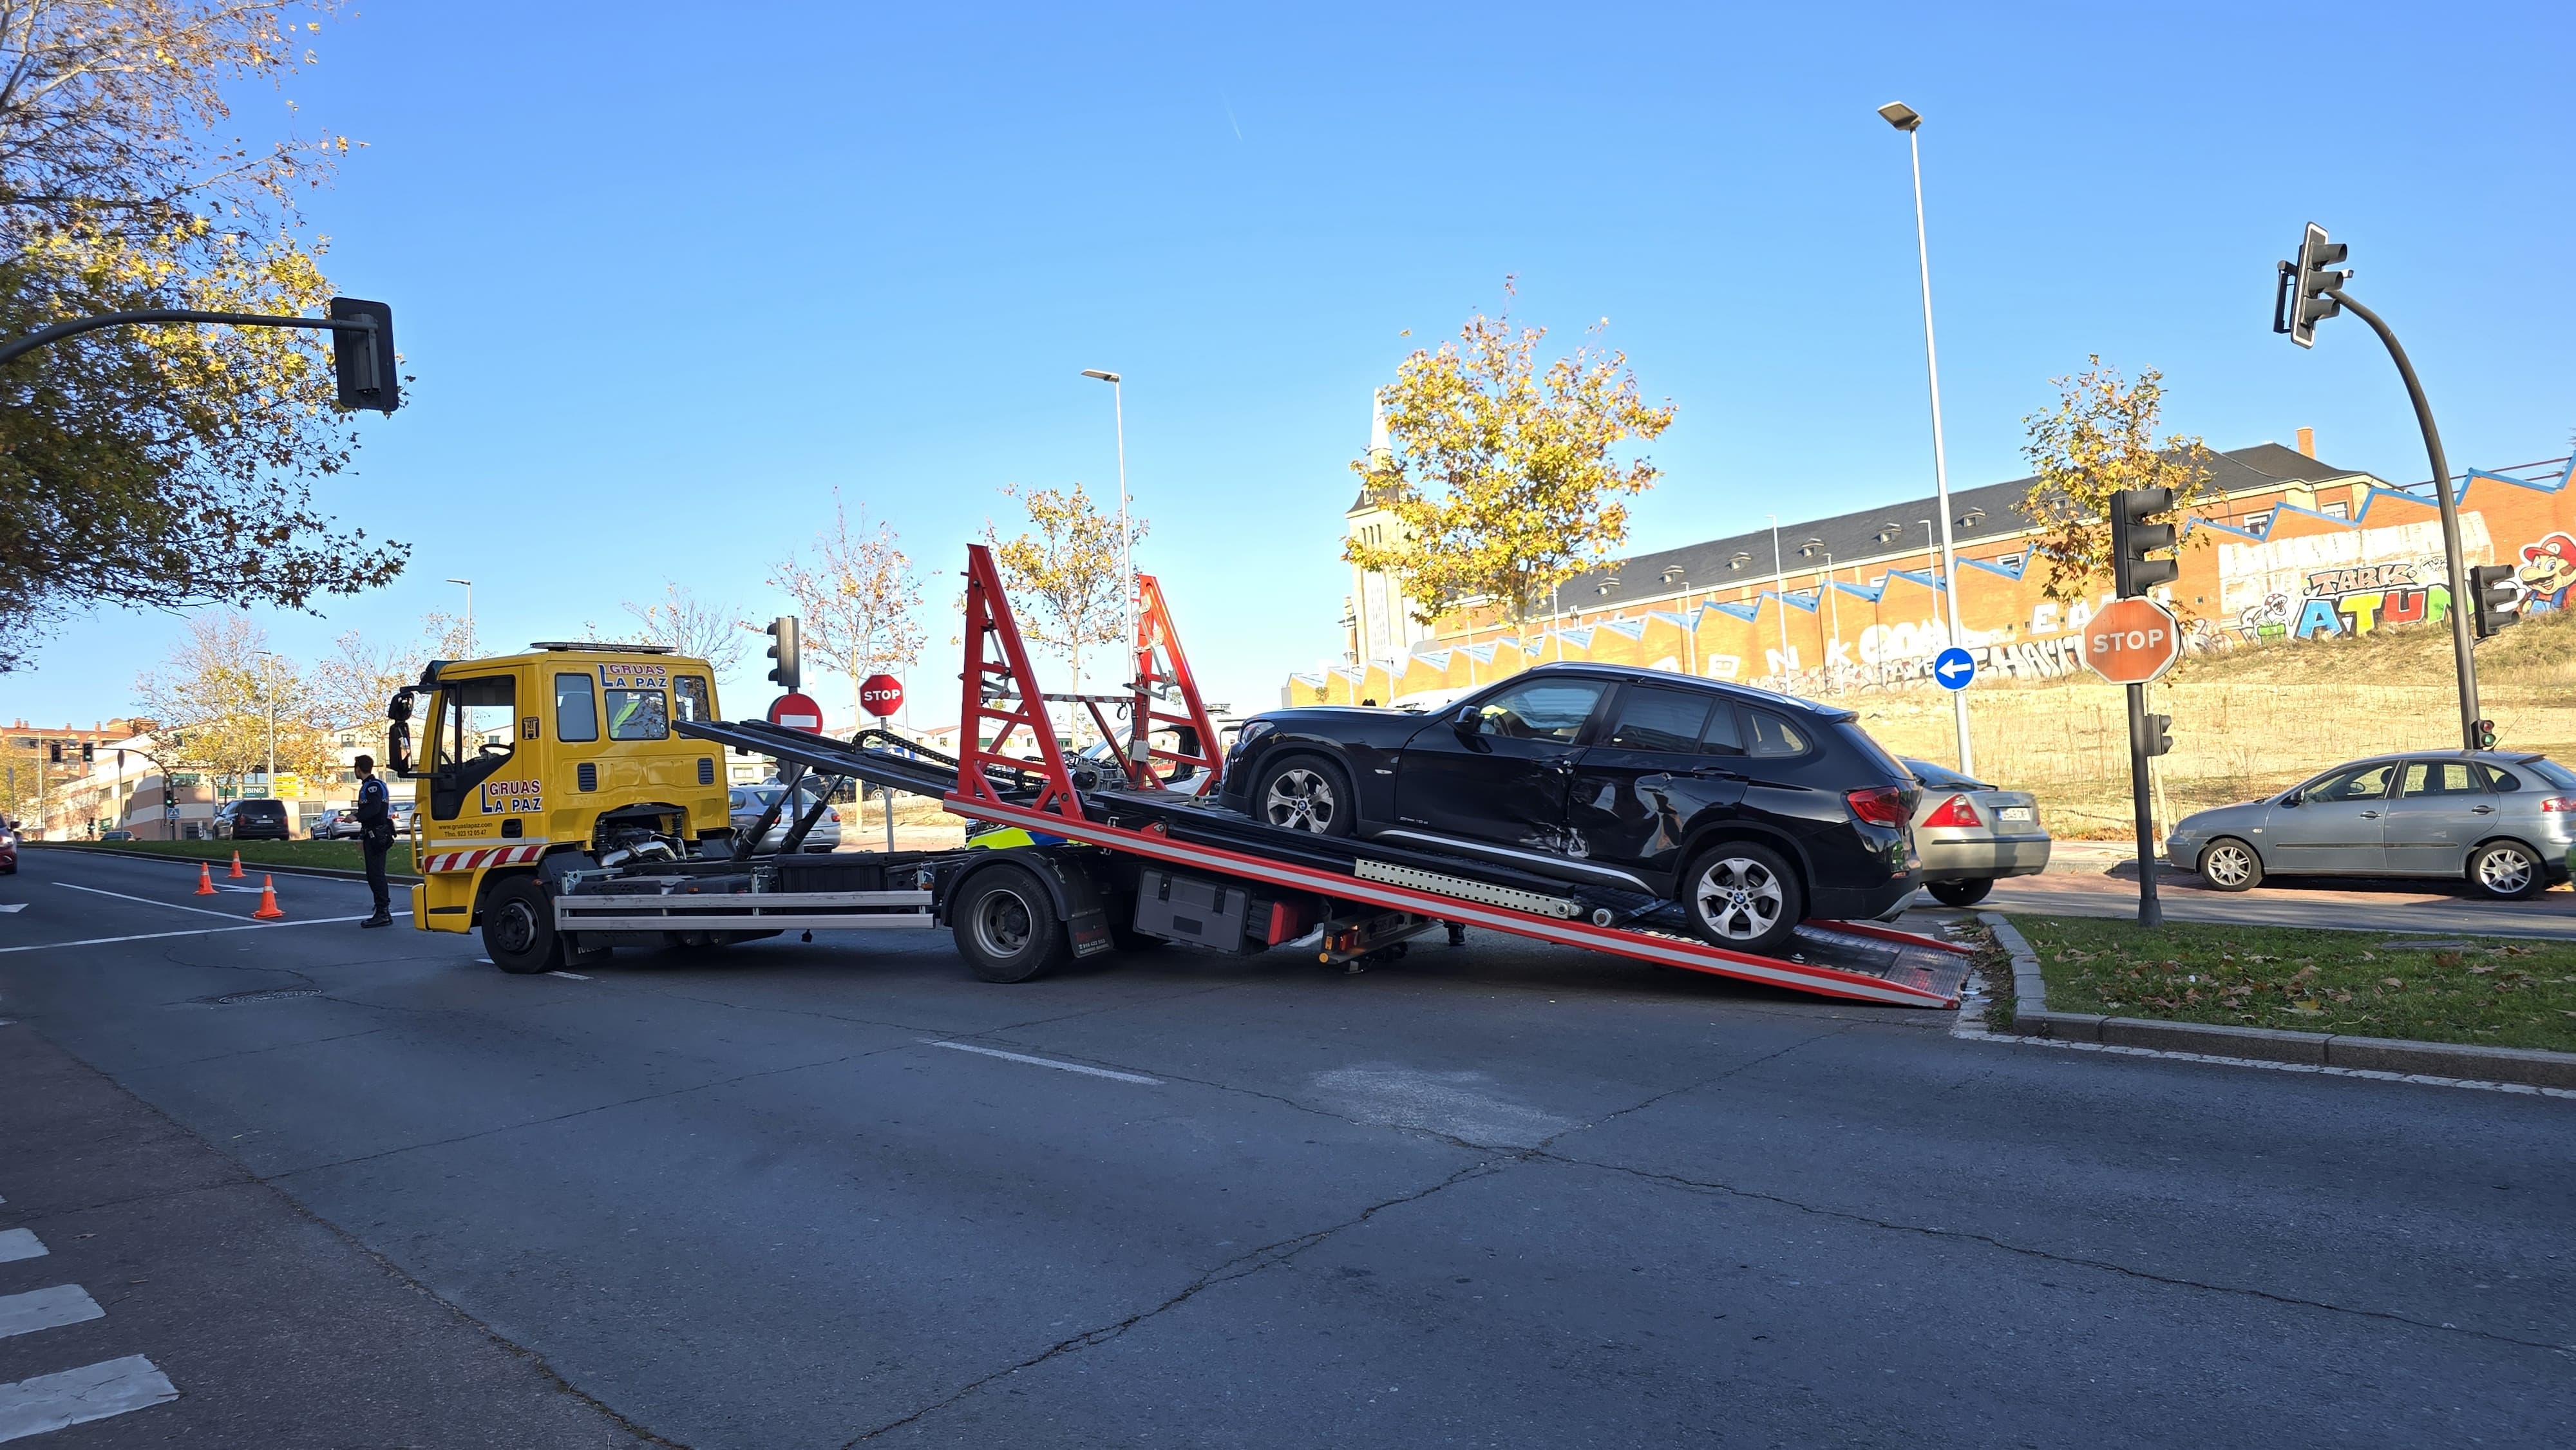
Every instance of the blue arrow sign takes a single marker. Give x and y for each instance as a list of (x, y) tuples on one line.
[(1954, 668)]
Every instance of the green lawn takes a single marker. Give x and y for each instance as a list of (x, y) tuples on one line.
[(2496, 992), (340, 855)]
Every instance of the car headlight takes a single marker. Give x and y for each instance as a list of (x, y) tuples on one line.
[(1252, 730)]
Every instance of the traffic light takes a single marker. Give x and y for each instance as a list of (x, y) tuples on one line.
[(2486, 735), (2133, 538), (89, 752), (2498, 599), (54, 749), (2299, 301), (782, 648), (2159, 739), (364, 361)]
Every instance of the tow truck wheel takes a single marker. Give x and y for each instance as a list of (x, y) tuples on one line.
[(519, 927), (1006, 926)]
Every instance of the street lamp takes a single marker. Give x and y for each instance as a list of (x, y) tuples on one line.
[(469, 612), (268, 701), (1126, 561), (1906, 119), (1780, 596)]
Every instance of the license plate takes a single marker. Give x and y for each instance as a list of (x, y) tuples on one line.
[(2014, 813)]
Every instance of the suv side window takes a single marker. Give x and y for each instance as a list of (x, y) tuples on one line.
[(1773, 735), (1653, 719), (1544, 710), (1723, 736)]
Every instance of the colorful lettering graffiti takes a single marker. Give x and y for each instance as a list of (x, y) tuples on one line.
[(2341, 602)]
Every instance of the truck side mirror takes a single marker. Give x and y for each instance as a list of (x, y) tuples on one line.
[(398, 734)]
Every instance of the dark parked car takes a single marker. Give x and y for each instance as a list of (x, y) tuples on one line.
[(1752, 811), (259, 820)]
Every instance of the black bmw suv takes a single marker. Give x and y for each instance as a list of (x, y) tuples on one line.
[(1750, 810)]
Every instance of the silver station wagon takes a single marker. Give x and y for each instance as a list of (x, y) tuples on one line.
[(2501, 822)]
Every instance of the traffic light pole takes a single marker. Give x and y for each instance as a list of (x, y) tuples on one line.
[(2463, 597), (2151, 912)]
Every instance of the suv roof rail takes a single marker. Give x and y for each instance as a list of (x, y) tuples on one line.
[(602, 646)]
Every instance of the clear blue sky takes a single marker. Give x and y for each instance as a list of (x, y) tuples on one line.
[(668, 274)]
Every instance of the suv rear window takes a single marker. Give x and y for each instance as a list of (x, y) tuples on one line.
[(271, 809)]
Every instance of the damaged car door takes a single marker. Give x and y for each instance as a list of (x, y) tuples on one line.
[(1671, 761), (1494, 774)]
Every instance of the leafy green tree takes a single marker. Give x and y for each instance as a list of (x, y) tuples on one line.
[(166, 467), (2098, 440), (1504, 478)]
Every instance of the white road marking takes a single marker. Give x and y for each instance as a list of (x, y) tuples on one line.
[(78, 1396), (46, 1308), (102, 941), (151, 901), (20, 1243), (1046, 1062), (568, 976), (13, 906)]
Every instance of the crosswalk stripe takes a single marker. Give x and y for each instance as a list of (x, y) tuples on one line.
[(46, 1308), (20, 1243), (78, 1396)]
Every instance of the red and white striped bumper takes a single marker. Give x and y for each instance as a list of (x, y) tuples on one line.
[(481, 857)]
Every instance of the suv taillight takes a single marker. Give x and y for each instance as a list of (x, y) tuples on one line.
[(2559, 803), (1955, 812), (1880, 805)]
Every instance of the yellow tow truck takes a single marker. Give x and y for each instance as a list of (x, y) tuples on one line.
[(531, 765)]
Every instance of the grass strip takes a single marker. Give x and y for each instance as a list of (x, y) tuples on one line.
[(2487, 991), (329, 855)]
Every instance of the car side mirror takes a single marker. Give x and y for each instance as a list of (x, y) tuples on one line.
[(2292, 799), (1469, 720)]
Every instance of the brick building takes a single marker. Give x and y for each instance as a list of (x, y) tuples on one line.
[(2296, 549)]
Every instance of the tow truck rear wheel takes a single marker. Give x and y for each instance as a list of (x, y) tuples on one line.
[(519, 927), (1006, 926)]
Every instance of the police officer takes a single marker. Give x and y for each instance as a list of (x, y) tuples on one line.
[(375, 836)]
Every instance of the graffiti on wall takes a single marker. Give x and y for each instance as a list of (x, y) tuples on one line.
[(2548, 569)]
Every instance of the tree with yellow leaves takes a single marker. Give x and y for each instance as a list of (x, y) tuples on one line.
[(217, 698), (1504, 478), (162, 466), (2098, 440), (855, 600)]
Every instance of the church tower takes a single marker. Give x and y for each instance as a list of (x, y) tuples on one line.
[(1378, 617)]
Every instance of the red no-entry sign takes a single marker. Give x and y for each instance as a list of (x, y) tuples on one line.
[(797, 712), (881, 695), (2132, 641)]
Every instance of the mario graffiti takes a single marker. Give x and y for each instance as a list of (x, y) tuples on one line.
[(2548, 569)]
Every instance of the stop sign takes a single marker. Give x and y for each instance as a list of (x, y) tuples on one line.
[(797, 712), (2132, 641), (881, 695)]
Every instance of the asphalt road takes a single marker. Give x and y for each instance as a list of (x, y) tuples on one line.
[(793, 1196)]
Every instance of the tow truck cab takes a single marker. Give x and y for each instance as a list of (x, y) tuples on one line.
[(562, 756)]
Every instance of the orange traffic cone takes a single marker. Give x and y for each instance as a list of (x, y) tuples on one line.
[(237, 870), (268, 902), (205, 879)]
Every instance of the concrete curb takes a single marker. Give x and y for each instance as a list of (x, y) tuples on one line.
[(2031, 1017), (333, 872)]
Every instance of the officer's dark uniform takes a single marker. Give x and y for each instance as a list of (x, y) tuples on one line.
[(376, 837)]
